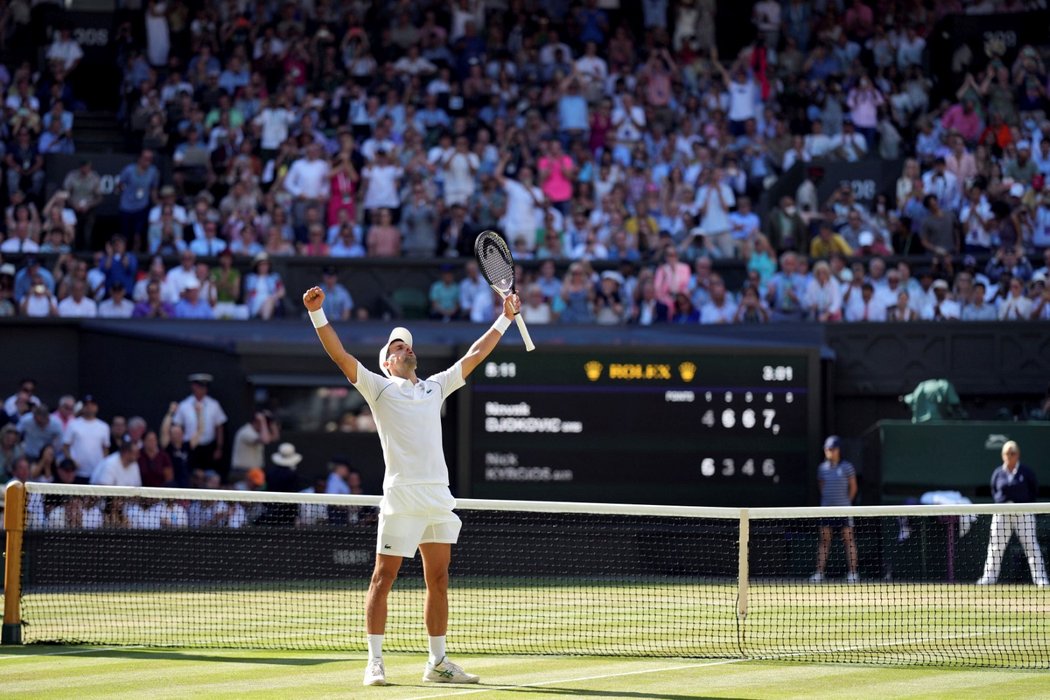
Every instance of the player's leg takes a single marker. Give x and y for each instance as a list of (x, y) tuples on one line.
[(436, 550), (850, 542), (383, 576), (436, 559), (397, 537), (822, 554), (1024, 525), (998, 538)]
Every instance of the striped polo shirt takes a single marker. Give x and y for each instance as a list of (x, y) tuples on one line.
[(834, 479)]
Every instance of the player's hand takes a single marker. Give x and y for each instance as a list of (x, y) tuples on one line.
[(511, 306), (313, 299)]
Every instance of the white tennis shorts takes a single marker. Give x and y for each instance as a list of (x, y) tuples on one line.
[(413, 515)]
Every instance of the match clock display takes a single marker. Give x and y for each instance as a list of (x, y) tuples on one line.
[(732, 427)]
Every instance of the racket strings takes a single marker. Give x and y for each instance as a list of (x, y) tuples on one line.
[(496, 264)]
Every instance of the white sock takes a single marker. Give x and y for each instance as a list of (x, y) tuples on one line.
[(375, 646), (437, 649)]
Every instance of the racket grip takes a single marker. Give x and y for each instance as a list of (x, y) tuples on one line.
[(524, 333)]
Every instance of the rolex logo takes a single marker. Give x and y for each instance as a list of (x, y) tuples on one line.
[(593, 370), (687, 370)]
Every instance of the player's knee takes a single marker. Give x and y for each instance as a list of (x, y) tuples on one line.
[(437, 581), (383, 578)]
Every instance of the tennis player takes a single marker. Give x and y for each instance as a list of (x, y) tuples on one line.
[(416, 510)]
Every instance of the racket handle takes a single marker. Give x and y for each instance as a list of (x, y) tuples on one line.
[(524, 333)]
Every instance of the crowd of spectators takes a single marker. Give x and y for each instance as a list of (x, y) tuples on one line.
[(593, 138), (74, 445)]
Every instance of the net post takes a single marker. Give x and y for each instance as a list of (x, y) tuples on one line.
[(14, 524), (743, 570)]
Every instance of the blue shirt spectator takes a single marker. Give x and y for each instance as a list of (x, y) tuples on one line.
[(138, 184), (337, 300)]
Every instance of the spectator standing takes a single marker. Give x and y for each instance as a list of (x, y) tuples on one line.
[(25, 166), (137, 185), (85, 194), (382, 184), (204, 423), (713, 201), (173, 442), (557, 172), (419, 223), (837, 480), (342, 189), (249, 444), (524, 202), (1013, 482), (86, 439)]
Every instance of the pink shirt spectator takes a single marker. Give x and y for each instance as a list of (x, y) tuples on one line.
[(343, 187), (864, 107), (964, 165), (968, 125), (556, 186), (671, 278)]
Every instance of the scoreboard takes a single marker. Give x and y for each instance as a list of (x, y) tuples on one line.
[(707, 426)]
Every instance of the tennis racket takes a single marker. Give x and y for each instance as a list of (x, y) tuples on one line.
[(497, 267)]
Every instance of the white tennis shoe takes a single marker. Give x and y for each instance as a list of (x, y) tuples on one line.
[(375, 674), (985, 581), (817, 578), (852, 578), (447, 672)]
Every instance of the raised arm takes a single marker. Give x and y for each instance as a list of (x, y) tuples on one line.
[(487, 342), (347, 363)]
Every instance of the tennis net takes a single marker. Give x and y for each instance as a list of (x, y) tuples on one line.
[(198, 568)]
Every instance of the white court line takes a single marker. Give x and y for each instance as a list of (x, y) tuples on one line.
[(4, 657), (494, 688)]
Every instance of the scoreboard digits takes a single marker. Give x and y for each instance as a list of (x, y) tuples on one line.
[(704, 427)]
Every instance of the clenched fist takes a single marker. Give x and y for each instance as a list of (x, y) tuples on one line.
[(313, 299)]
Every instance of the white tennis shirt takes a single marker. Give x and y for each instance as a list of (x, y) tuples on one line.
[(408, 417)]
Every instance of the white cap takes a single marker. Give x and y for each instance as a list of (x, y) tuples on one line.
[(191, 283), (398, 333), (866, 238), (1017, 190)]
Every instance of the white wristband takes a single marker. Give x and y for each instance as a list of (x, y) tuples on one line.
[(318, 318), (501, 324)]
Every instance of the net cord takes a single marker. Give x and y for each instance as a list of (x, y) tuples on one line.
[(544, 506)]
